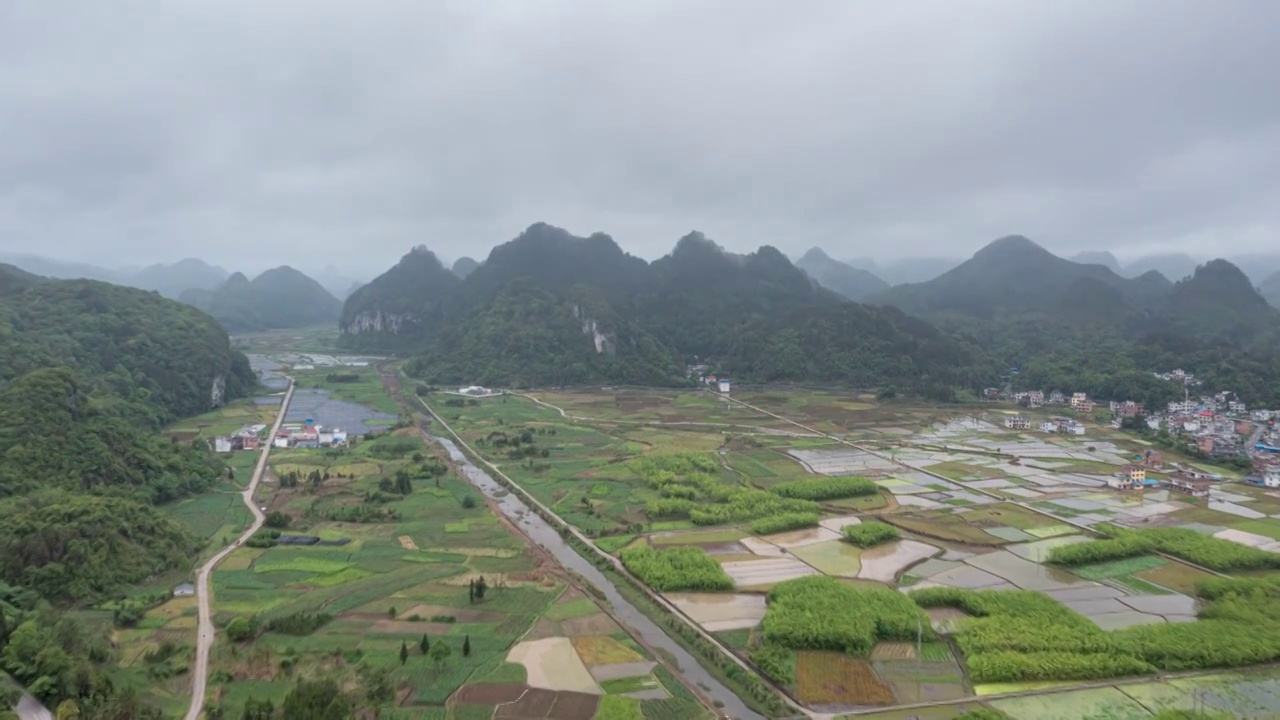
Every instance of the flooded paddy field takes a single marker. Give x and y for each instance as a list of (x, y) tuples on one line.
[(976, 511)]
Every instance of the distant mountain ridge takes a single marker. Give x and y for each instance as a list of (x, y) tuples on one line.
[(853, 283), (552, 308), (1270, 289), (1013, 278), (278, 298)]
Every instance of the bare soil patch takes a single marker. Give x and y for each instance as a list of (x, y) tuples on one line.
[(407, 543), (828, 678), (552, 664), (893, 651)]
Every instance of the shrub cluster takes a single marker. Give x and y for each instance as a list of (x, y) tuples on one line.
[(822, 613), (678, 568), (870, 533), (1204, 550), (784, 522), (299, 623), (826, 488), (1024, 636)]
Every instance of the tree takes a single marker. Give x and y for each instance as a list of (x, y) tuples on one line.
[(391, 612), (471, 591), (468, 502), (404, 653), (240, 629), (424, 644), (466, 646), (317, 700), (480, 588), (440, 653)]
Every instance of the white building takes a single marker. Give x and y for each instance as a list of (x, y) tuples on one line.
[(724, 386), (1182, 407), (222, 444), (1078, 400), (1048, 427), (1075, 429), (1017, 422)]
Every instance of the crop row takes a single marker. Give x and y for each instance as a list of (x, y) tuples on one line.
[(1025, 636), (822, 613), (784, 522), (1204, 550), (831, 488), (677, 568)]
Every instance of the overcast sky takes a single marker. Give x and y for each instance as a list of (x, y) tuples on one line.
[(312, 132)]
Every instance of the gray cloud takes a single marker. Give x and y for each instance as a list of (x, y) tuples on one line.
[(316, 132)]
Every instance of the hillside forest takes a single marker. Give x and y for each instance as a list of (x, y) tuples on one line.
[(89, 372)]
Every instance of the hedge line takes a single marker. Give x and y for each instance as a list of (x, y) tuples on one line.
[(826, 488), (1204, 550)]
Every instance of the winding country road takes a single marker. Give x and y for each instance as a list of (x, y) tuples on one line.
[(204, 640)]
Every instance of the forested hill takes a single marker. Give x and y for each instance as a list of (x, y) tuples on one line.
[(278, 298), (551, 308), (1082, 327), (853, 283), (88, 373)]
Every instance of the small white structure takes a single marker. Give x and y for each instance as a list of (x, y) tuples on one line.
[(1074, 429), (222, 444), (724, 386), (186, 589), (1271, 478)]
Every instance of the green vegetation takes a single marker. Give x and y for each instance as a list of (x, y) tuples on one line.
[(677, 568), (784, 522), (518, 319), (826, 488), (41, 549), (822, 613), (1206, 551), (870, 533), (278, 298)]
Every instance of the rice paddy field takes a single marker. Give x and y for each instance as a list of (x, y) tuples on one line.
[(976, 510)]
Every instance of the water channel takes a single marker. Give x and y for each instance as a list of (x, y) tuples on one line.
[(542, 533)]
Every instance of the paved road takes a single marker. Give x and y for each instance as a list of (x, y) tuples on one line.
[(204, 641)]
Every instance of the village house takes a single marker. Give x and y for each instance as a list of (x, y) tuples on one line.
[(1137, 474), (1035, 399), (1153, 459), (1260, 415), (1184, 407), (1057, 398), (1153, 422), (1079, 400), (991, 393), (1237, 408), (1017, 422), (1271, 476), (1195, 487)]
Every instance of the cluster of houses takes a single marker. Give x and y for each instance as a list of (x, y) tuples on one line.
[(1065, 425), (290, 435)]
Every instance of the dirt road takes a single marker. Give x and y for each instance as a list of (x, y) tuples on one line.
[(204, 638)]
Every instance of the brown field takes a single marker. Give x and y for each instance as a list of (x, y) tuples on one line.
[(535, 704), (603, 650), (828, 678), (407, 543), (893, 651), (489, 694), (538, 703), (574, 706), (943, 527)]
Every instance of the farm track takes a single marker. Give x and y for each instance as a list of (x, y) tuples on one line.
[(205, 630)]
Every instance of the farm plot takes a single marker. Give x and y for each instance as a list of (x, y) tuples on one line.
[(830, 678), (721, 611)]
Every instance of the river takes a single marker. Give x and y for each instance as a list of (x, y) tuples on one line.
[(542, 533)]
